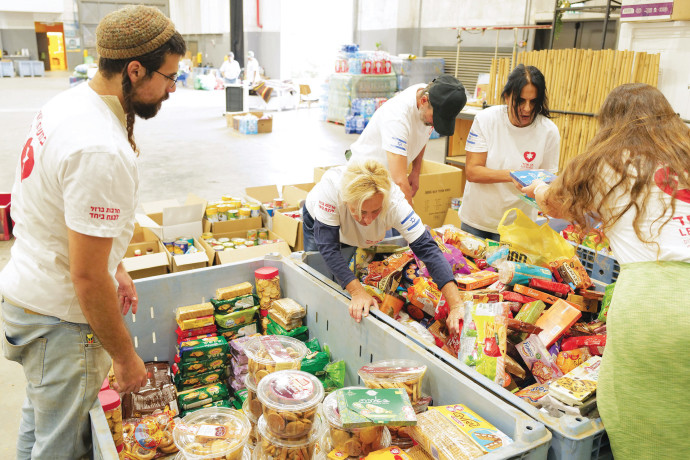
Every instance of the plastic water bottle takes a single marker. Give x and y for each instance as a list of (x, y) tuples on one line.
[(368, 107), (360, 124), (356, 107), (350, 124)]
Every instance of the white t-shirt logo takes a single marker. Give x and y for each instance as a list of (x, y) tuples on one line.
[(27, 160), (530, 156)]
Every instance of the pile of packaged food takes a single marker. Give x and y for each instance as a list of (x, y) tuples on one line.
[(231, 208), (233, 393), (525, 325)]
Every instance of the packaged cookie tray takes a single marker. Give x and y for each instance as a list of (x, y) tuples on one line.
[(215, 433), (395, 373), (268, 354), (353, 442), (271, 447), (290, 401)]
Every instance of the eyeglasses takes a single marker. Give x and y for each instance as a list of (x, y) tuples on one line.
[(174, 80)]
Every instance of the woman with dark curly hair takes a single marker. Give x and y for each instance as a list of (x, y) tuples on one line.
[(633, 177)]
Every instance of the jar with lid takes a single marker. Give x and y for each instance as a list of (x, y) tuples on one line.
[(110, 401), (267, 286)]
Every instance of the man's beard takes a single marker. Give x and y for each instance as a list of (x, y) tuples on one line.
[(147, 110), (422, 112)]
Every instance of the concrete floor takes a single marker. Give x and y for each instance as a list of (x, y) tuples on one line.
[(187, 148)]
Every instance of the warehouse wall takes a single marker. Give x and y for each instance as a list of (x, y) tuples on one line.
[(264, 41)]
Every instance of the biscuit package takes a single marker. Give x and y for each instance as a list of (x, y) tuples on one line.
[(538, 359), (213, 433), (361, 407), (577, 385), (236, 318), (233, 291), (149, 437), (198, 397), (442, 438), (483, 339), (205, 349), (236, 303), (486, 436)]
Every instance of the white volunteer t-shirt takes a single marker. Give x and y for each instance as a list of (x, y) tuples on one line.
[(674, 239), (396, 127), (77, 171), (508, 147), (326, 205)]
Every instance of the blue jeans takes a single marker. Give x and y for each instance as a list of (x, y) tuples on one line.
[(480, 233), (308, 231), (65, 365)]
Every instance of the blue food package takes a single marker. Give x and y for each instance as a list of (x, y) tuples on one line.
[(527, 176)]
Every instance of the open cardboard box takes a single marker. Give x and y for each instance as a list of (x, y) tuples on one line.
[(5, 220), (452, 218), (319, 171), (235, 225), (264, 125), (293, 195), (146, 264), (438, 185), (168, 219), (183, 262), (237, 255)]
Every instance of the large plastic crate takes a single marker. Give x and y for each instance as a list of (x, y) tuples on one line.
[(328, 319), (576, 438), (38, 68), (24, 68), (6, 69)]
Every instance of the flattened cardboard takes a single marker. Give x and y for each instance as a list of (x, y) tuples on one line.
[(238, 255), (438, 185)]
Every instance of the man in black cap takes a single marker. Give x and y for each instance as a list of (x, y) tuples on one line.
[(398, 132)]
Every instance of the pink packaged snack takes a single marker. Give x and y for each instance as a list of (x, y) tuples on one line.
[(237, 348), (453, 255), (538, 359)]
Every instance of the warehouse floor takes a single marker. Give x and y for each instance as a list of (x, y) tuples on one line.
[(187, 148)]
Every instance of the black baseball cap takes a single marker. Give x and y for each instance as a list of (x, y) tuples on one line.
[(447, 97)]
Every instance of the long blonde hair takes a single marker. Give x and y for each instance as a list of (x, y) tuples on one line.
[(364, 179), (640, 140)]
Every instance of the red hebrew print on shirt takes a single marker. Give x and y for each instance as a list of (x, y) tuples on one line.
[(101, 213), (27, 159), (327, 207)]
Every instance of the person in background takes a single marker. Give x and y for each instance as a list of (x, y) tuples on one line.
[(355, 205), (503, 138), (399, 130), (252, 69), (230, 70), (634, 176), (73, 201)]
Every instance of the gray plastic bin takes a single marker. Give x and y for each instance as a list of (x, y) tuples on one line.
[(327, 319), (38, 68), (24, 68), (6, 69), (576, 438)]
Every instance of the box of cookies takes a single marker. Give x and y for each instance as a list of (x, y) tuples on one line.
[(363, 407), (486, 436), (204, 349)]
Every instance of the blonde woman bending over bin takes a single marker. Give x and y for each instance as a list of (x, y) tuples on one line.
[(634, 175), (355, 205)]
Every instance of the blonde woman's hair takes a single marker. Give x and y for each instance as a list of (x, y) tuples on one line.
[(364, 179)]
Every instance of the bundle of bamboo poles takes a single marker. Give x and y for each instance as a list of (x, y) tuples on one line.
[(577, 80)]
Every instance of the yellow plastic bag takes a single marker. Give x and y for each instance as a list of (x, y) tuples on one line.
[(532, 243)]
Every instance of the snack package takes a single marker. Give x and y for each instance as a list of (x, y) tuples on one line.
[(418, 453), (233, 291), (534, 393), (334, 376), (606, 302), (203, 349), (189, 333), (237, 348), (240, 330), (551, 286), (227, 404), (538, 359), (570, 271), (579, 384), (282, 321), (395, 373), (214, 433), (299, 333), (483, 339), (315, 362), (149, 437), (556, 321), (149, 400), (469, 244), (529, 313), (486, 436), (198, 380), (193, 311), (425, 295), (509, 296), (197, 397), (476, 280), (386, 275), (236, 318), (361, 260), (411, 273), (569, 360), (190, 368), (453, 255), (596, 343), (288, 309), (362, 407), (195, 323), (389, 453), (441, 438), (236, 303)]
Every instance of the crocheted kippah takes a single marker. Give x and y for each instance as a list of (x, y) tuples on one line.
[(132, 31)]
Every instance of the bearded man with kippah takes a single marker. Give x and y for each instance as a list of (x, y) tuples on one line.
[(64, 289)]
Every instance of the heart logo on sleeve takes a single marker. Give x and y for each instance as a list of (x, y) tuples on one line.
[(667, 181), (530, 156)]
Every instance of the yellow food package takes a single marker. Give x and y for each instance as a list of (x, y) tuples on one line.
[(389, 453), (486, 436)]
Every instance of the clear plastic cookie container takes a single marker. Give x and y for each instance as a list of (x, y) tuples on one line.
[(270, 353), (271, 447), (395, 373), (214, 433)]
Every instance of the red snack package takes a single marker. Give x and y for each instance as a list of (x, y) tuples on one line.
[(509, 296), (194, 332), (571, 271), (557, 288), (596, 343)]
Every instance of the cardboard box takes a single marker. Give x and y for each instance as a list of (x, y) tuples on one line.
[(5, 220), (681, 10), (146, 264), (183, 262), (293, 195), (648, 10), (265, 125), (289, 229), (452, 218), (438, 185), (231, 225), (168, 219), (457, 142), (319, 171), (237, 255)]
